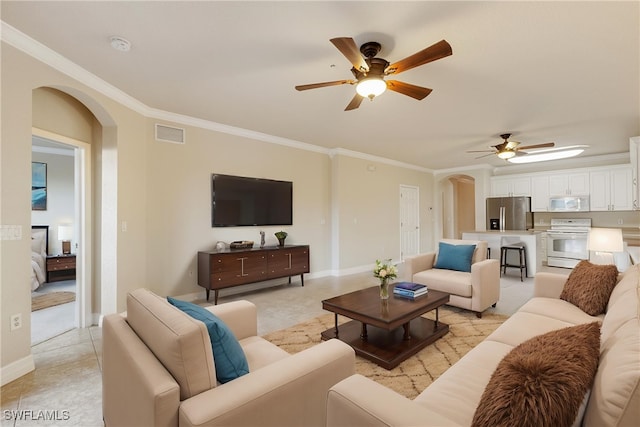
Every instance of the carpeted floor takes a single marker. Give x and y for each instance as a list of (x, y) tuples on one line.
[(413, 375), (51, 299)]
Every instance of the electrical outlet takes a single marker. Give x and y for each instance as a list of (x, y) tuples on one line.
[(620, 221), (16, 321)]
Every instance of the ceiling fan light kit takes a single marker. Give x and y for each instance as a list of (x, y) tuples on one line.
[(371, 87), (506, 154), (369, 71)]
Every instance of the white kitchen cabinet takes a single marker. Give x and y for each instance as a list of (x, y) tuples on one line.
[(540, 193), (507, 186), (612, 190), (569, 184), (634, 151)]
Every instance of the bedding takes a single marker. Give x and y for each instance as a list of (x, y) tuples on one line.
[(39, 239)]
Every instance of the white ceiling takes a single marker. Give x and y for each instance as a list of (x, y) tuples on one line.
[(567, 72)]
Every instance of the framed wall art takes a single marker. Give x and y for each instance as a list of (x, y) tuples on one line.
[(38, 186)]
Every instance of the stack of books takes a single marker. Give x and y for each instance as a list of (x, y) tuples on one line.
[(409, 290)]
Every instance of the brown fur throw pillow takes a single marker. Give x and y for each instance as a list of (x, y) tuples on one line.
[(589, 287), (542, 382)]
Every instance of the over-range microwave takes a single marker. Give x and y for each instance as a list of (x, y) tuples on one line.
[(569, 204)]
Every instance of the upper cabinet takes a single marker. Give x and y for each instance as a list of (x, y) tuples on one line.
[(612, 189), (540, 193), (569, 184), (510, 186), (634, 151)]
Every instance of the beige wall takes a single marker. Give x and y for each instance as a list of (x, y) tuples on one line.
[(151, 200), (367, 209)]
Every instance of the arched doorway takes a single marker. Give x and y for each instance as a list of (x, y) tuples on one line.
[(458, 205), (59, 111)]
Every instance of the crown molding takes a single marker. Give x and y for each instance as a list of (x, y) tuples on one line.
[(370, 157), (44, 54)]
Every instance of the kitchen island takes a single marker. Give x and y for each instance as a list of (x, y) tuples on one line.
[(531, 238)]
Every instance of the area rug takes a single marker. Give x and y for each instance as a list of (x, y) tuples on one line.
[(413, 375), (51, 299)]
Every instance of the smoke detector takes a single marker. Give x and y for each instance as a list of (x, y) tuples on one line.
[(121, 44)]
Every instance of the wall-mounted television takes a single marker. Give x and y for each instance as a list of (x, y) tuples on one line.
[(243, 201)]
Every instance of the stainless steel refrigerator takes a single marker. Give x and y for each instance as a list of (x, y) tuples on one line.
[(509, 213)]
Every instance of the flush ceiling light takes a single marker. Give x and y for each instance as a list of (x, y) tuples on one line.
[(550, 154), (371, 87), (121, 44)]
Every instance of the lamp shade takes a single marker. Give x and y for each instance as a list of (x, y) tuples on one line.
[(65, 232), (605, 240), (371, 87)]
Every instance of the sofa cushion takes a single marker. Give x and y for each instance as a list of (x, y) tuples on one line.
[(229, 358), (178, 341), (542, 381), (454, 257), (589, 286)]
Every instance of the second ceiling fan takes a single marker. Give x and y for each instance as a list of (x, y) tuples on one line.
[(369, 71), (508, 149)]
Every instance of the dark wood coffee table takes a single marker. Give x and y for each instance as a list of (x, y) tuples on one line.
[(386, 332)]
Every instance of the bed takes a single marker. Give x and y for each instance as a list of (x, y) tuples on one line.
[(39, 251)]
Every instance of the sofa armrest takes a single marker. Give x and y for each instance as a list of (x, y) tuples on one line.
[(359, 401), (485, 284), (285, 393), (548, 285), (136, 389), (417, 263), (240, 316)]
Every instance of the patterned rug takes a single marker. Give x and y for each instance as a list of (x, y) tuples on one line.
[(413, 375), (51, 299)]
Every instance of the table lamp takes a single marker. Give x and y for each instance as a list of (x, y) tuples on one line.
[(65, 234), (604, 241)]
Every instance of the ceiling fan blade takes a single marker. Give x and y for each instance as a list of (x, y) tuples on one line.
[(433, 52), (325, 84), (416, 92), (355, 102), (512, 144), (545, 145), (486, 155), (481, 151), (347, 46)]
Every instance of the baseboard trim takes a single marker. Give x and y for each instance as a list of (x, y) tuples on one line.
[(15, 370)]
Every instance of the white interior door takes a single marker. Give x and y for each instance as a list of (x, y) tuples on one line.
[(409, 221)]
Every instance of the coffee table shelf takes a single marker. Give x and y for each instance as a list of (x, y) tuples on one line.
[(386, 332)]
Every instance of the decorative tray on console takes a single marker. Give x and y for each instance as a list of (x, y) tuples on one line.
[(241, 244)]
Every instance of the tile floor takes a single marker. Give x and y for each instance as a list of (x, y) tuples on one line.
[(67, 380)]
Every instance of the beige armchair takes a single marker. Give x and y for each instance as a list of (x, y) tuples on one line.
[(476, 290), (158, 370)]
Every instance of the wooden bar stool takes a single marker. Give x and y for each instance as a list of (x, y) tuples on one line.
[(522, 252)]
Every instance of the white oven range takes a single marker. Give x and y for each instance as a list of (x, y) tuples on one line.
[(567, 242)]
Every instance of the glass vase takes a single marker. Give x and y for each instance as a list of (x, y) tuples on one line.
[(384, 289)]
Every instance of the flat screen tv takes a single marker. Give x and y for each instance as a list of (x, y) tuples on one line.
[(243, 201)]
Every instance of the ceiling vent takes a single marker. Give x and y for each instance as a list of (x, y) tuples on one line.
[(171, 134)]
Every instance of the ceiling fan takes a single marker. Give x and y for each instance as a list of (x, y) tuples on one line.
[(369, 71), (508, 149)]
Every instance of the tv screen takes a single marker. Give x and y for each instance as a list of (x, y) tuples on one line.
[(243, 201)]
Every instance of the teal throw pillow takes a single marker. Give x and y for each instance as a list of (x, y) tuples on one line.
[(455, 257), (228, 356)]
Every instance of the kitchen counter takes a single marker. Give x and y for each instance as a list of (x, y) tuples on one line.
[(531, 238), (508, 232)]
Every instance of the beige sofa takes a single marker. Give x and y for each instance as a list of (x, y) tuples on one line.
[(452, 399), (475, 291), (158, 370)]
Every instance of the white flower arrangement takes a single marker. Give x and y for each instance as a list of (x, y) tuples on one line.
[(385, 270)]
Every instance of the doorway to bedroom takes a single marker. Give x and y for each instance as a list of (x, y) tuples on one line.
[(55, 202)]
